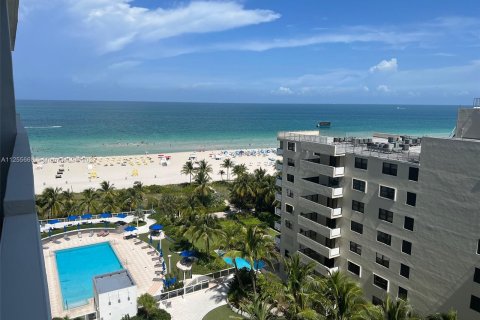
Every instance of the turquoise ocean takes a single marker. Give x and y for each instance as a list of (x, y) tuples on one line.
[(86, 128)]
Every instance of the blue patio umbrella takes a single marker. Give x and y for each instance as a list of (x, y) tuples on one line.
[(105, 215), (87, 216), (156, 227), (188, 253), (130, 228), (72, 218), (53, 221), (121, 215)]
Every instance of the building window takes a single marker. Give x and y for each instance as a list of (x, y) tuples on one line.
[(354, 268), (376, 301), (411, 199), (290, 162), (356, 248), (289, 208), (476, 276), (289, 193), (475, 303), (385, 215), (389, 168), (358, 206), (356, 227), (291, 146), (290, 178), (387, 192), (413, 174), (380, 282), (402, 293), (406, 247), (359, 185), (286, 253), (288, 224), (478, 247), (404, 271), (361, 163), (408, 223), (383, 260), (384, 238)]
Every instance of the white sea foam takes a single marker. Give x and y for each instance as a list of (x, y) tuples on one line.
[(44, 127)]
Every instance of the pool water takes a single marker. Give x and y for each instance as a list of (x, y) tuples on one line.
[(76, 268), (242, 263)]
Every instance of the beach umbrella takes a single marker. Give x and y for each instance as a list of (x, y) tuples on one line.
[(121, 215), (87, 216), (53, 221), (187, 253), (130, 228), (105, 215), (156, 227), (72, 218)]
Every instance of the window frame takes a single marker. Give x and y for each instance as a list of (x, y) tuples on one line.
[(404, 268), (290, 162), (400, 296), (359, 205), (414, 199), (293, 178), (293, 208), (364, 185), (356, 245), (363, 163), (405, 223), (383, 258), (476, 275), (357, 223), (380, 210), (410, 173), (388, 282), (357, 265), (389, 168), (411, 246), (380, 192), (389, 237), (289, 143)]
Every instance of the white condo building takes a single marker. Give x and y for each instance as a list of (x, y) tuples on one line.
[(401, 215)]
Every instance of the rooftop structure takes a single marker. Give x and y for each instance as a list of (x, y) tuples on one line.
[(398, 213), (113, 281)]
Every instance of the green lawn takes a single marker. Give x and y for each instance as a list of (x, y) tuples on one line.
[(222, 313)]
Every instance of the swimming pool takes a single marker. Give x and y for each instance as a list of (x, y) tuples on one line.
[(242, 263), (76, 268)]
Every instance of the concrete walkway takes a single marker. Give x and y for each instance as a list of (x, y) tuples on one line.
[(195, 306)]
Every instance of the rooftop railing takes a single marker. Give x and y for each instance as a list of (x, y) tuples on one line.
[(305, 136)]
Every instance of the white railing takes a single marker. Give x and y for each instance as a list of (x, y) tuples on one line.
[(305, 136), (337, 192), (337, 212), (339, 171), (278, 212)]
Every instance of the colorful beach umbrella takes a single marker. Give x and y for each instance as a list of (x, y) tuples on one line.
[(130, 228), (156, 227)]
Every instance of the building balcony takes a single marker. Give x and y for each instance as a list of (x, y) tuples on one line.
[(311, 205), (277, 225), (318, 247), (278, 197), (278, 182), (279, 152), (314, 166), (278, 212), (279, 166), (327, 190), (319, 267), (319, 228), (277, 240)]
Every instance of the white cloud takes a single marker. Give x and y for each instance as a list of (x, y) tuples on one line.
[(383, 88), (366, 89), (124, 64), (116, 23), (385, 66), (283, 91)]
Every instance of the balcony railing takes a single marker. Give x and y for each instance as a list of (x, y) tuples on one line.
[(279, 152), (323, 169), (327, 190), (278, 197), (319, 267), (277, 226), (279, 166), (318, 247), (278, 182), (319, 228), (278, 212), (322, 209)]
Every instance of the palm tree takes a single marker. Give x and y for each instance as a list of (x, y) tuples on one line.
[(106, 188), (227, 164), (188, 169), (260, 308), (239, 170), (345, 296), (221, 173), (232, 244), (299, 285), (256, 246), (206, 228), (90, 197), (242, 190), (204, 167), (397, 309), (51, 201), (203, 190), (68, 202), (450, 315), (139, 215), (148, 305), (107, 192)]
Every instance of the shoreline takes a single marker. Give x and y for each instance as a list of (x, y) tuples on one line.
[(80, 173)]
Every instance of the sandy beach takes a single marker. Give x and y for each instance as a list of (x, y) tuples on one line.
[(79, 173)]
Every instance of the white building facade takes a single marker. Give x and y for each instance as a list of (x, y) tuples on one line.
[(400, 218)]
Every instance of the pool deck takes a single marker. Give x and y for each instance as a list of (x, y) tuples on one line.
[(133, 257)]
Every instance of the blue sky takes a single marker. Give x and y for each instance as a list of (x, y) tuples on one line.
[(304, 51)]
